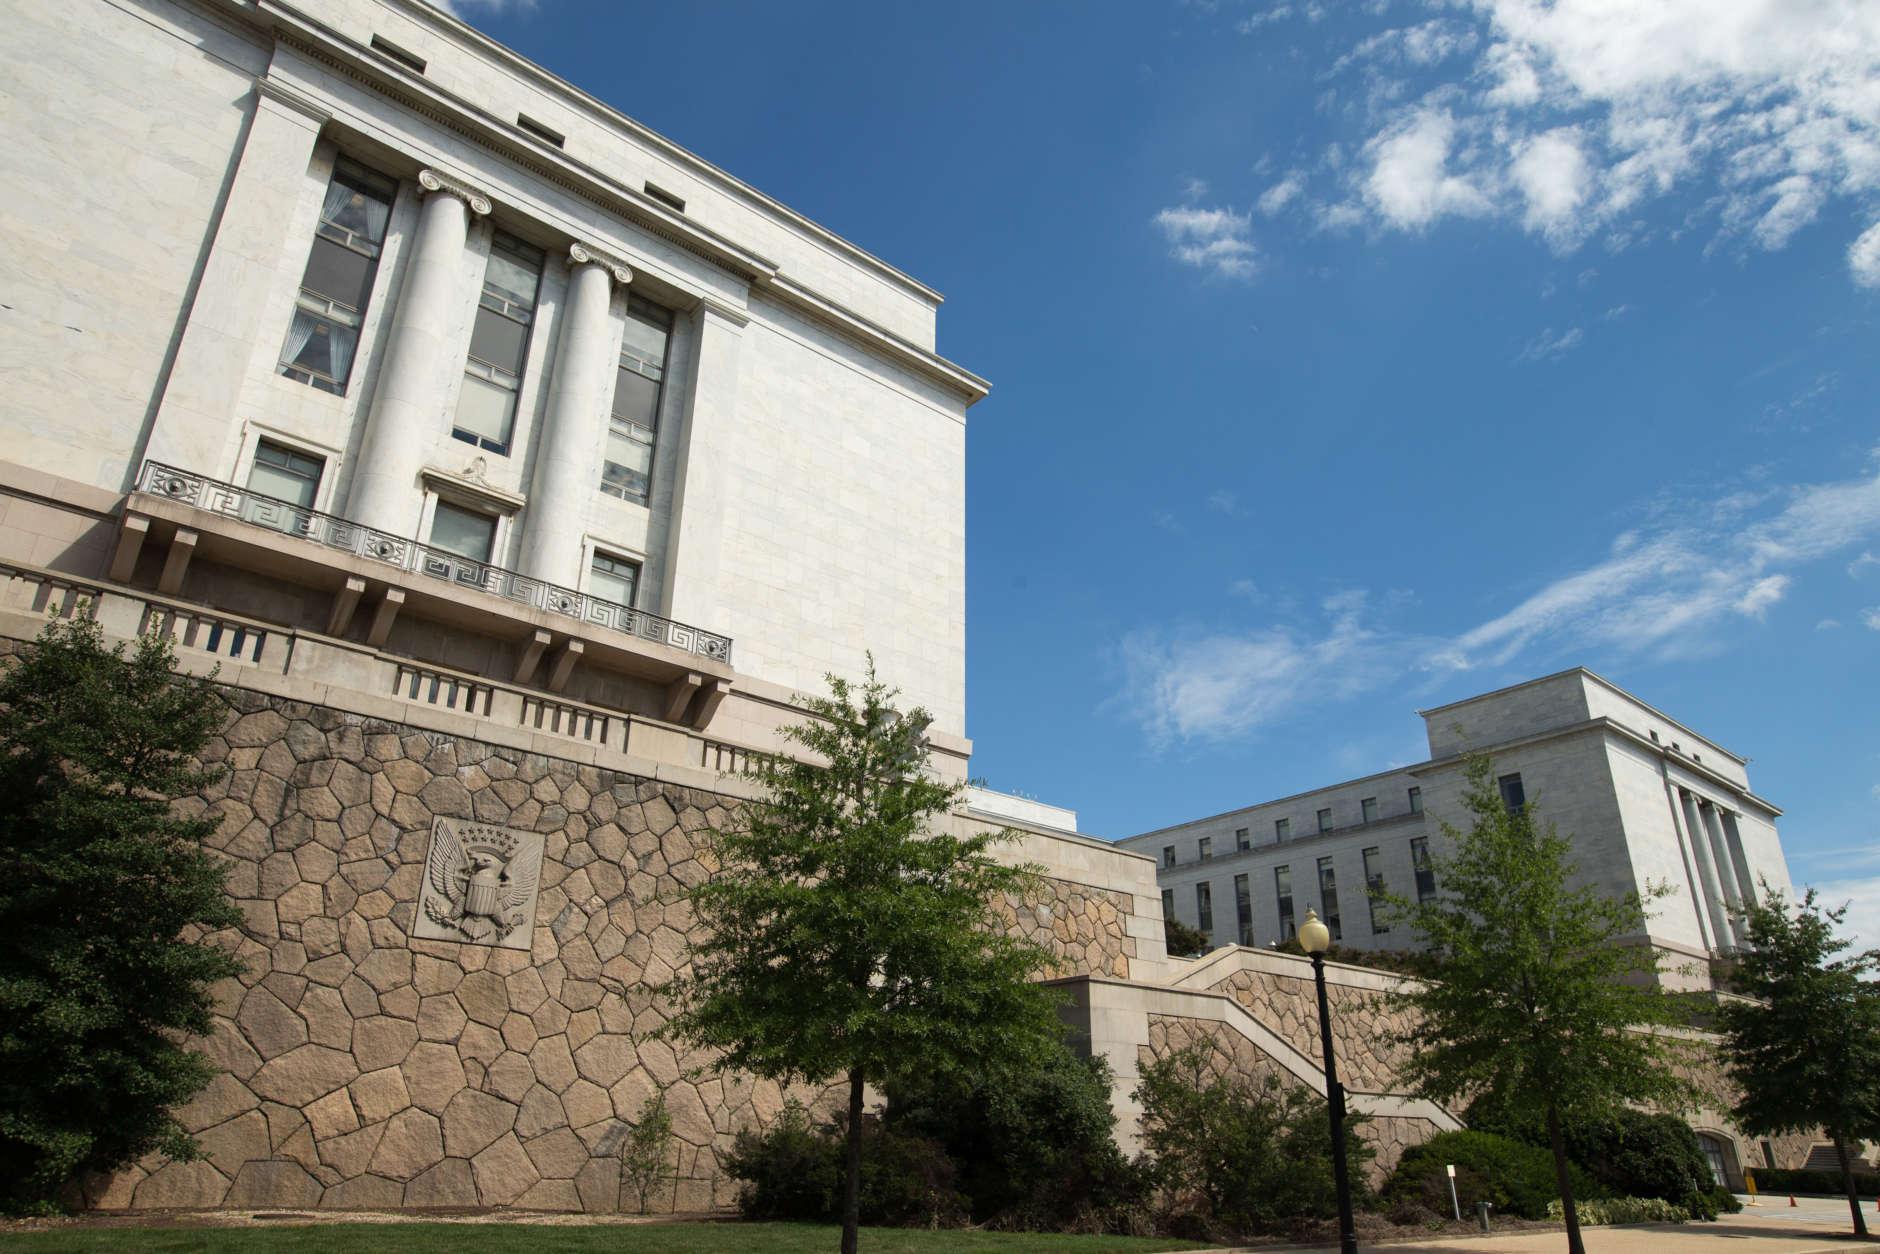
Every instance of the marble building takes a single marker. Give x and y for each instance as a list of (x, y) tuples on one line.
[(1645, 799)]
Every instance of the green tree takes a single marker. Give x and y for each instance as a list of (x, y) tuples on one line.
[(647, 1156), (1181, 940), (98, 883), (845, 939), (1542, 1008), (1805, 1054)]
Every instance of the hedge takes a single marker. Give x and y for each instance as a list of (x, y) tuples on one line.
[(1776, 1180)]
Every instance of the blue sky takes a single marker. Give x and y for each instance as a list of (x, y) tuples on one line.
[(1353, 358)]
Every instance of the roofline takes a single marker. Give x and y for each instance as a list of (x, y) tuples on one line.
[(1261, 805), (1604, 682)]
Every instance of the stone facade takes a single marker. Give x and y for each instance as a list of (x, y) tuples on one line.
[(1362, 1023), (1085, 927)]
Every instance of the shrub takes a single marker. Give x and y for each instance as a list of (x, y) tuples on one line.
[(1183, 941), (1778, 1180), (1629, 1154), (1513, 1175), (1623, 1210), (647, 1156), (1252, 1156), (1033, 1148), (794, 1171)]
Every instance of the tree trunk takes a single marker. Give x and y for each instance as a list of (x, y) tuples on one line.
[(1564, 1174), (1847, 1182), (852, 1183)]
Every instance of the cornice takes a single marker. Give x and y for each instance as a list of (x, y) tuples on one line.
[(293, 99), (791, 294), (432, 181)]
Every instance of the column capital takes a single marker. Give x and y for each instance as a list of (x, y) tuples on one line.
[(580, 254), (432, 181)]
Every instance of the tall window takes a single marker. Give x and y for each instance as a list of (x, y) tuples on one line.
[(1328, 897), (1282, 830), (1243, 909), (323, 338), (1325, 819), (1282, 891), (1204, 848), (1513, 795), (499, 343), (1241, 841), (462, 531), (1168, 855), (1374, 887), (614, 579), (1416, 801), (1369, 808), (628, 470), (286, 475), (1168, 903), (1426, 875), (1204, 909)]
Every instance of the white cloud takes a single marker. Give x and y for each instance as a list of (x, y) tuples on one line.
[(1221, 501), (1566, 116), (1209, 239), (1870, 618), (1858, 568), (1547, 346), (1828, 624), (1661, 590), (1254, 21), (1861, 896), (1281, 194)]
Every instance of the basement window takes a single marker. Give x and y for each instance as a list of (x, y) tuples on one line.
[(410, 60), (544, 133), (665, 198)]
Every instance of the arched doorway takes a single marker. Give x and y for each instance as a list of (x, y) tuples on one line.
[(1717, 1153)]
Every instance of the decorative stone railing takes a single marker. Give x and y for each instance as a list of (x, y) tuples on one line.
[(404, 553)]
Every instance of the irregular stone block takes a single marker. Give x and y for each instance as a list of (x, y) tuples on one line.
[(503, 1172), (299, 1076), (411, 1145), (473, 1120), (277, 1184), (447, 1184)]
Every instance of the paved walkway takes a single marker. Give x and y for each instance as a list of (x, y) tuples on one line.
[(1812, 1226)]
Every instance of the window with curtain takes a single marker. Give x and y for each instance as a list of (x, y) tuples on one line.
[(323, 337), (499, 345), (639, 382)]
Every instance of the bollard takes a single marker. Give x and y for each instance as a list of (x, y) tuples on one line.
[(1481, 1212)]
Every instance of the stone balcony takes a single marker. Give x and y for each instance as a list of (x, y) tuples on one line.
[(366, 580)]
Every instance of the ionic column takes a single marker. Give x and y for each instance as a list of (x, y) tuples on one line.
[(574, 431), (1726, 870), (1707, 872), (409, 399)]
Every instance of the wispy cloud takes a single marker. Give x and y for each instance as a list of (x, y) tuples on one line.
[(1565, 117), (1662, 591), (1221, 501), (1548, 347), (1214, 240), (1861, 896), (1862, 566)]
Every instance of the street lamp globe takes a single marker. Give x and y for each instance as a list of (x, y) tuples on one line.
[(1314, 936)]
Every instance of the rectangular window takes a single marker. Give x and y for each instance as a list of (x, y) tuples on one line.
[(1369, 806), (1243, 909), (1204, 909), (1513, 796), (1282, 831), (1426, 876), (1204, 848), (1374, 885), (547, 134), (665, 198), (1416, 801), (464, 532), (627, 471), (1282, 891), (1241, 841), (614, 579), (499, 345), (1325, 819), (410, 60), (1168, 903), (1328, 897), (286, 475), (1168, 855), (323, 337)]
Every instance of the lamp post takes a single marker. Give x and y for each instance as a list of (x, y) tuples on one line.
[(1316, 938)]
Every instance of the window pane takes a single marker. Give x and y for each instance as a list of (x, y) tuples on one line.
[(319, 344), (499, 341), (613, 579), (463, 532), (1325, 820), (1370, 809), (513, 272), (359, 202), (628, 467), (339, 274), (636, 399), (281, 473), (645, 340), (484, 411), (1282, 829)]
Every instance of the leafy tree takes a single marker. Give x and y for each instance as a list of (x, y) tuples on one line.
[(846, 940), (646, 1157), (1183, 941), (1540, 1008), (1806, 1052), (98, 883)]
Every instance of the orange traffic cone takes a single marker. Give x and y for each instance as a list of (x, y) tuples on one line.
[(1791, 1199)]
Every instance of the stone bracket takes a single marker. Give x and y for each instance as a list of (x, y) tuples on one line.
[(345, 601), (709, 702), (176, 562), (132, 532), (569, 654), (385, 616), (532, 656), (679, 694)]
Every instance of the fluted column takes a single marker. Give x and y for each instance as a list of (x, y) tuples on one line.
[(1707, 872), (574, 431), (408, 403), (1726, 871)]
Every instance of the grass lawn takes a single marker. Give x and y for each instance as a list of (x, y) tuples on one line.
[(511, 1238)]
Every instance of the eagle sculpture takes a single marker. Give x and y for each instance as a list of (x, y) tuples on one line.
[(487, 894)]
